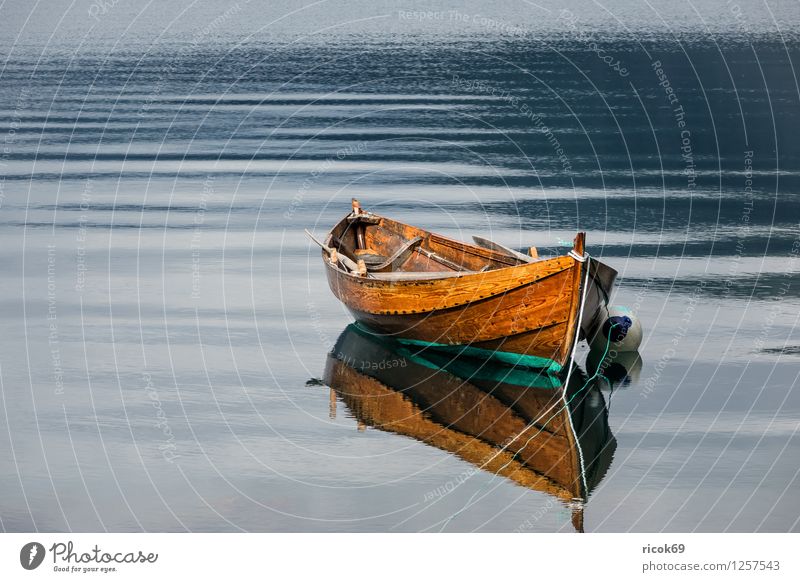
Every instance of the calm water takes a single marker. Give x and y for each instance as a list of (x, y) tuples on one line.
[(166, 325)]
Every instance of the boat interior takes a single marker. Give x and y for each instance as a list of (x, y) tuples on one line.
[(378, 247)]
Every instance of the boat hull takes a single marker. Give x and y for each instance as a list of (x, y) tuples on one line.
[(484, 302), (533, 316)]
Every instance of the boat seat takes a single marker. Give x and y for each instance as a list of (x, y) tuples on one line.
[(370, 259)]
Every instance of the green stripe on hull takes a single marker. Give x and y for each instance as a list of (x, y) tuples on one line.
[(470, 369), (510, 358)]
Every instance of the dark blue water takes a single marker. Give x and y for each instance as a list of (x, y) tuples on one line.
[(163, 312)]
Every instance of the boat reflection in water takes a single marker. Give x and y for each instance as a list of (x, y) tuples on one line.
[(519, 423)]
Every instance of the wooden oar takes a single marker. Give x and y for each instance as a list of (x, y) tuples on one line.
[(493, 246), (348, 263), (399, 257), (441, 260)]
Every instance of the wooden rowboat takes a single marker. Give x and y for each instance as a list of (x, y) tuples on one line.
[(485, 299), (521, 424)]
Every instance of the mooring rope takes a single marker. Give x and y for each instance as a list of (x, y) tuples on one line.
[(577, 257)]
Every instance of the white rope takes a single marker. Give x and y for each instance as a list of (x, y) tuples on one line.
[(569, 372), (577, 257)]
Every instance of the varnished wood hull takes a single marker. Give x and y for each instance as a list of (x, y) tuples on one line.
[(526, 309)]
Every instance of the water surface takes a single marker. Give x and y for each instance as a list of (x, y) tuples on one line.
[(163, 312)]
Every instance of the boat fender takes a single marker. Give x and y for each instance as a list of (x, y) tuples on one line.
[(621, 331)]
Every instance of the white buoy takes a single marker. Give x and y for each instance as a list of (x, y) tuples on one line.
[(621, 331)]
